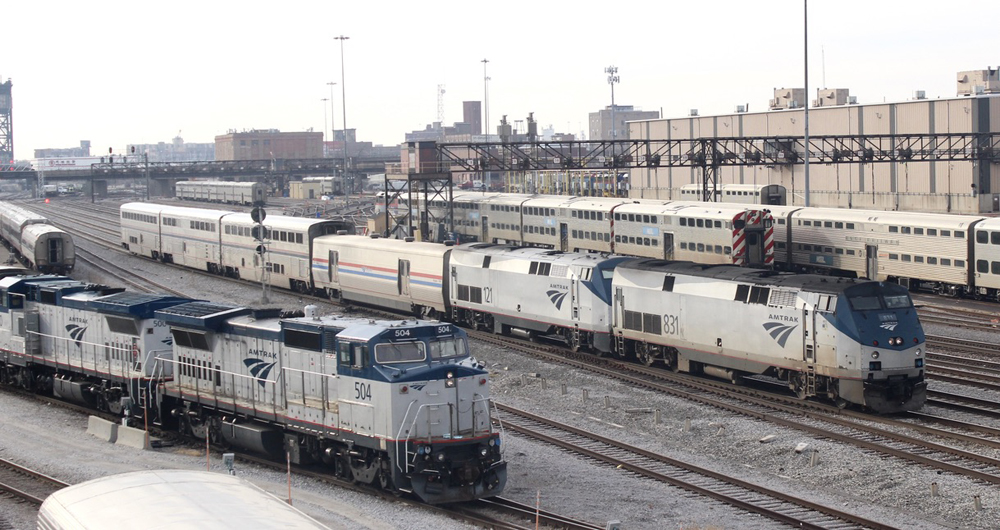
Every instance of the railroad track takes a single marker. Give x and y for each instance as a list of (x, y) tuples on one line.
[(27, 485), (741, 494), (962, 345), (818, 419), (494, 513)]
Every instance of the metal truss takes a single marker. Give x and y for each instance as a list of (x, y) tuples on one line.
[(718, 152), (432, 190), (709, 154)]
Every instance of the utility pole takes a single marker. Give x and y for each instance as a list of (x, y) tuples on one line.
[(343, 97)]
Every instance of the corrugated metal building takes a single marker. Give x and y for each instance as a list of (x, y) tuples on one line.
[(925, 186)]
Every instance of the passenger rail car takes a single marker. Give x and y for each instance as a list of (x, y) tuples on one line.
[(398, 404), (403, 275), (35, 242), (717, 233), (953, 255), (90, 344), (246, 193), (850, 341), (767, 194), (223, 242)]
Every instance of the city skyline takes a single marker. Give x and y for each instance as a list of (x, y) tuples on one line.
[(111, 76)]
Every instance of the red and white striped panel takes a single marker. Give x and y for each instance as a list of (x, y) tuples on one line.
[(740, 239), (768, 239)]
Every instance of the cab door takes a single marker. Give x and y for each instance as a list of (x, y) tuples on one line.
[(668, 246), (333, 262), (403, 277)]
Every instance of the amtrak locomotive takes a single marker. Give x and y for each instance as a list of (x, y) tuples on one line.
[(847, 340), (399, 404)]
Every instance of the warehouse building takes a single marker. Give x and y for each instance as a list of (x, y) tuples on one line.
[(967, 186)]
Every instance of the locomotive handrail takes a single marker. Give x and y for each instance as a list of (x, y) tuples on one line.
[(416, 417)]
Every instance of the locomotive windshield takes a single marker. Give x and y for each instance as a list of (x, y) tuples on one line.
[(449, 347), (399, 352), (874, 296)]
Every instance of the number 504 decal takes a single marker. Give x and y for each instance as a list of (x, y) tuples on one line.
[(362, 391)]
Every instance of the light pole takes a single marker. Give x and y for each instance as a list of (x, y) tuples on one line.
[(612, 72), (486, 101), (343, 99), (324, 100), (333, 119)]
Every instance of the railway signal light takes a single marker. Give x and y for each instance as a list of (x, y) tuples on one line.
[(258, 214)]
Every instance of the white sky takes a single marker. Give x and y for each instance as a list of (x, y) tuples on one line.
[(119, 72)]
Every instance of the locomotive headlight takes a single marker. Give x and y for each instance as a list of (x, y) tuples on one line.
[(917, 353), (450, 381), (483, 451), (874, 355), (440, 457), (492, 442)]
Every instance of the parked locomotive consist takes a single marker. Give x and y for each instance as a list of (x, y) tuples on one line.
[(222, 242), (847, 340), (34, 241), (400, 404), (247, 193), (721, 233)]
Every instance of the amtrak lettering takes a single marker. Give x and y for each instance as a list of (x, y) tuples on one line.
[(783, 318), (80, 320), (262, 353)]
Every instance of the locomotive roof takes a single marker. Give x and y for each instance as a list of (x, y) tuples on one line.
[(200, 314), (804, 282), (141, 305), (537, 254)]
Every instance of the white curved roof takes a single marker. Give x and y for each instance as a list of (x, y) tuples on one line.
[(169, 500)]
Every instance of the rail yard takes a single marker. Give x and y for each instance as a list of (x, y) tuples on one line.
[(774, 460)]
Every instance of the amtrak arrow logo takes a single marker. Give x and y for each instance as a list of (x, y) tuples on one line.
[(76, 333), (891, 326), (259, 369), (169, 341), (779, 332), (557, 297)]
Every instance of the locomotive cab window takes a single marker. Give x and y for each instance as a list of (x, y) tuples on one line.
[(399, 352), (448, 347)]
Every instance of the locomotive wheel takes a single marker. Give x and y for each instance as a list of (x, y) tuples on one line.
[(643, 354), (799, 386)]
